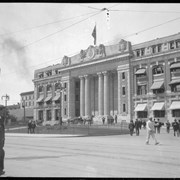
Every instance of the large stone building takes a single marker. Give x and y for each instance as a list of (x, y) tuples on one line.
[(131, 82)]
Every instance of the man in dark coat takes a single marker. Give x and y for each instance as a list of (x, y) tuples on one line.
[(131, 127), (137, 127), (175, 126), (168, 126), (2, 140)]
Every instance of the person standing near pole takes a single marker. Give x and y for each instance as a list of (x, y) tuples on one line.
[(131, 127), (137, 127), (168, 126), (150, 131), (2, 140)]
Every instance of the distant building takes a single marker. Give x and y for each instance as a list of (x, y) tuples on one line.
[(138, 81), (27, 99)]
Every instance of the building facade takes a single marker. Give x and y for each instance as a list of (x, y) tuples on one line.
[(27, 99), (138, 81)]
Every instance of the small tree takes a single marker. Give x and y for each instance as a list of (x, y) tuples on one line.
[(4, 113)]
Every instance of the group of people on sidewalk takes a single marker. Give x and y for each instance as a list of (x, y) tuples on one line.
[(150, 126), (137, 125), (176, 127), (31, 127), (153, 126)]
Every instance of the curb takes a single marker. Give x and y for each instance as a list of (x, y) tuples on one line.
[(42, 135)]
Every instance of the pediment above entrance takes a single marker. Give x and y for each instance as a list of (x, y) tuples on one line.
[(92, 52)]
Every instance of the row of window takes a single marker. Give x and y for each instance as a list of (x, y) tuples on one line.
[(30, 103), (48, 73), (28, 97), (158, 48), (49, 87), (158, 114), (49, 114)]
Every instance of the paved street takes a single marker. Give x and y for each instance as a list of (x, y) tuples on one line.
[(102, 156)]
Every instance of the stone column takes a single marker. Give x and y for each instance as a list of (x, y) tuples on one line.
[(82, 96), (87, 96), (100, 94), (106, 93)]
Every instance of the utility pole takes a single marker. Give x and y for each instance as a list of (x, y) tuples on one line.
[(6, 99), (60, 117)]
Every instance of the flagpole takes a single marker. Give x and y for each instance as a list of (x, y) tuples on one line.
[(96, 33)]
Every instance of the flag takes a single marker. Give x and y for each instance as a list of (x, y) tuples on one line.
[(94, 34)]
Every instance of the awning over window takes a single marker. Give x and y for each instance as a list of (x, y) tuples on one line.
[(157, 85), (141, 107), (175, 81), (141, 71), (48, 98), (158, 106), (175, 65), (40, 99), (56, 98), (175, 105)]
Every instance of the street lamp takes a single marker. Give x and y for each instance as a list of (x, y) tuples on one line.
[(6, 99)]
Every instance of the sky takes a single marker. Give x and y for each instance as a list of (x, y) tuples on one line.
[(36, 35)]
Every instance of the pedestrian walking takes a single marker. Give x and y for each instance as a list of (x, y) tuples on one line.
[(158, 126), (137, 127), (2, 141), (115, 118), (144, 124), (168, 126), (178, 128), (140, 123), (150, 131), (33, 126), (29, 126), (103, 120), (131, 127), (155, 125), (175, 126)]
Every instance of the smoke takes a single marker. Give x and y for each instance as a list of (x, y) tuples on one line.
[(116, 39), (15, 57)]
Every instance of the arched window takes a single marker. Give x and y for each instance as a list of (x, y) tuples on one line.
[(40, 88), (158, 69), (57, 86), (49, 87)]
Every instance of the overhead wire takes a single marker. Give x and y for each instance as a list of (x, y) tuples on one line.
[(125, 37), (49, 35), (46, 24), (138, 11)]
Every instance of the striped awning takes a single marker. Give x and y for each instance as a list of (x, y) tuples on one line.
[(40, 99), (48, 98), (56, 98), (141, 107), (158, 106), (175, 81), (175, 65), (175, 105), (157, 85), (141, 71)]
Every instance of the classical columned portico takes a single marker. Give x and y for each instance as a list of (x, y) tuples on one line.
[(87, 96), (100, 94), (82, 96), (106, 93)]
